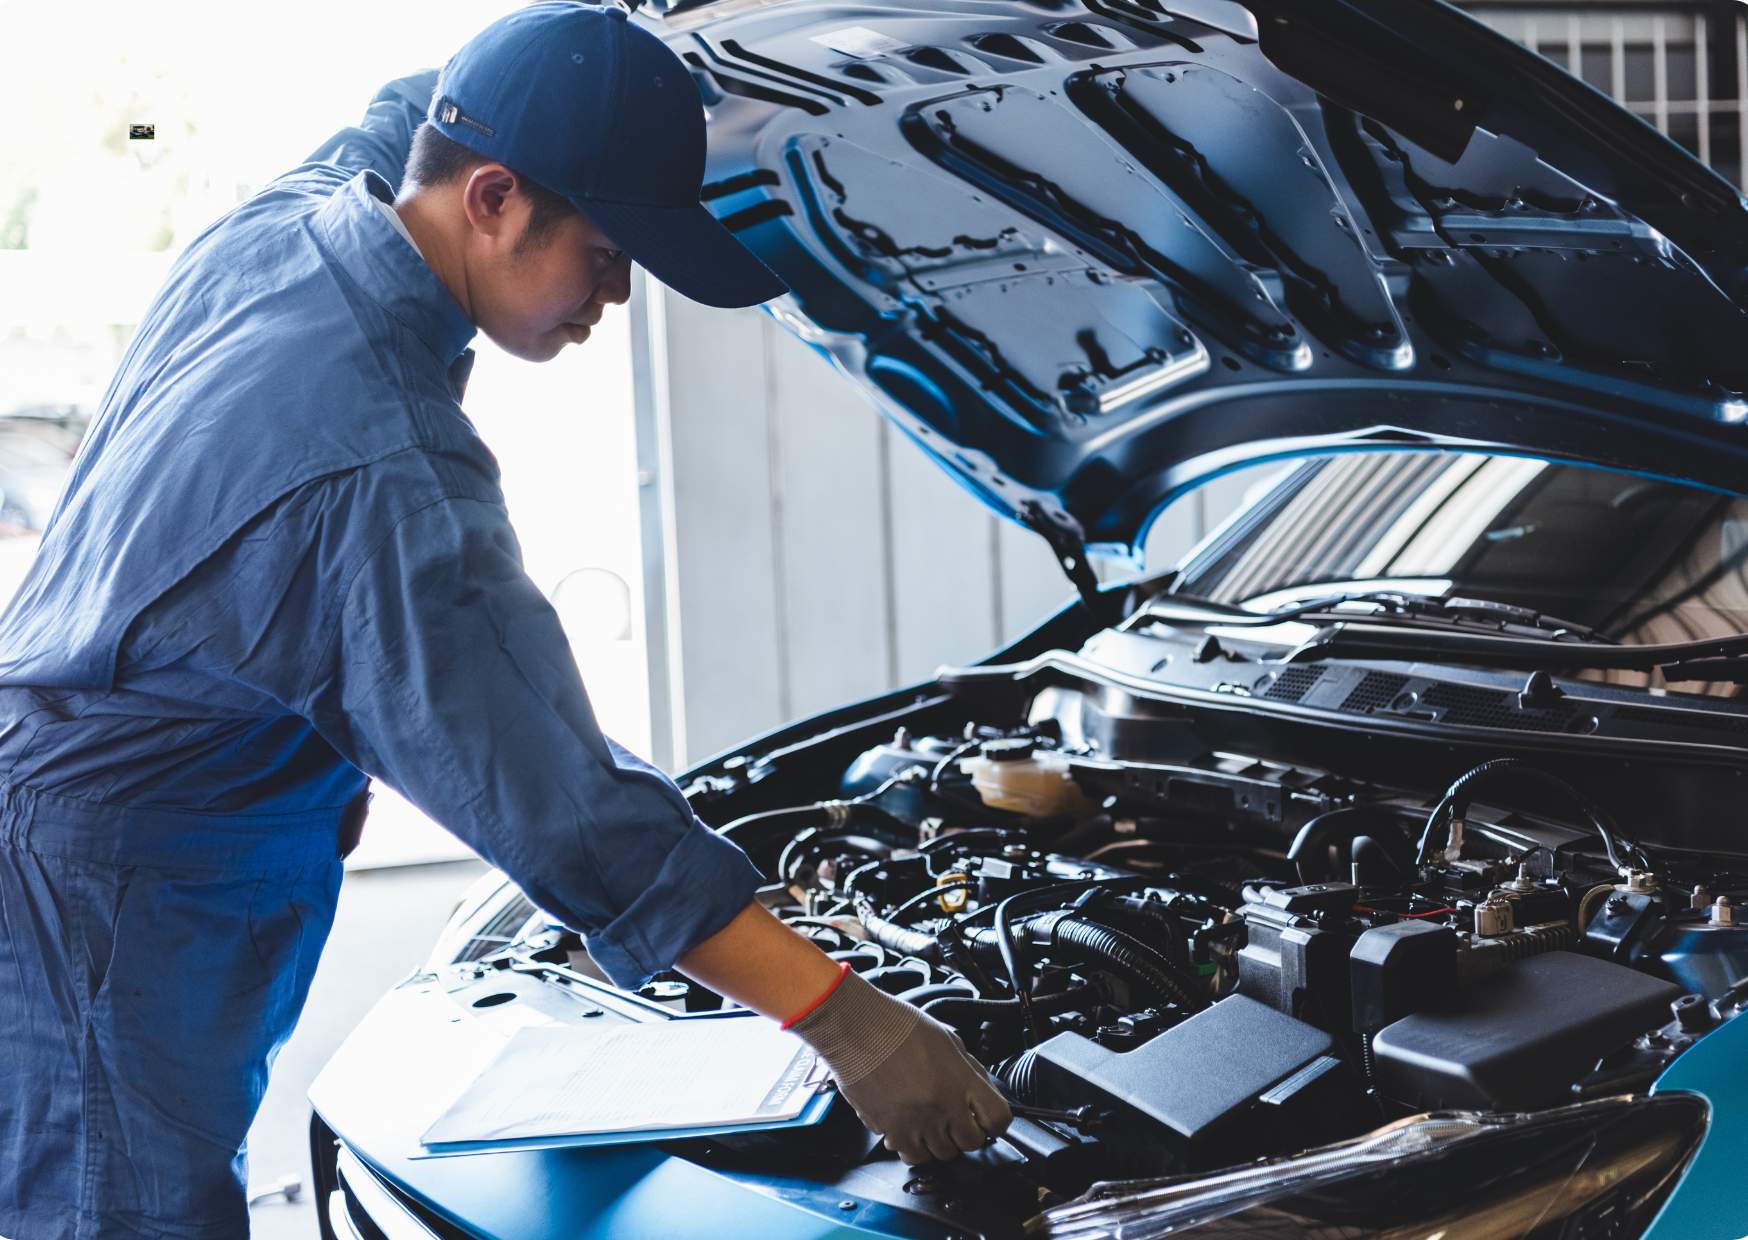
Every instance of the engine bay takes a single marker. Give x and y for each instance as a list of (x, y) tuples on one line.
[(1178, 959), (1095, 960)]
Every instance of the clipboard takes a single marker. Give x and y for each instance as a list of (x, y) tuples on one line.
[(814, 1113), (506, 1094)]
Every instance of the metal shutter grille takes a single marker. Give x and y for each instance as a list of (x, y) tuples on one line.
[(1680, 65)]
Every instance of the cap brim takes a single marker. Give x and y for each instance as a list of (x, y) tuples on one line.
[(688, 250)]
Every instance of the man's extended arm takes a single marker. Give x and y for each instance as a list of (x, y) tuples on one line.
[(448, 675), (384, 136)]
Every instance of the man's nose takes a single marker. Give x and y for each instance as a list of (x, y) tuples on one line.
[(615, 286)]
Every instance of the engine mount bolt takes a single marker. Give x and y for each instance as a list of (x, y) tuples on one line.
[(1692, 1013), (1723, 914)]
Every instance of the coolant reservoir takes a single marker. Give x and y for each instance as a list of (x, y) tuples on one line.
[(1016, 775)]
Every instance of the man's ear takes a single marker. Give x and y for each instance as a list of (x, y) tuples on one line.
[(487, 199)]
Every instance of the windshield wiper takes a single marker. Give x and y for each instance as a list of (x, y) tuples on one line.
[(1397, 609), (1732, 669), (1463, 610), (1473, 632)]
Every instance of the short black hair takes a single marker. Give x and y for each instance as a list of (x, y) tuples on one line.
[(437, 159)]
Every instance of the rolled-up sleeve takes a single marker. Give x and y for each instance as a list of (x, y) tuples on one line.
[(447, 675)]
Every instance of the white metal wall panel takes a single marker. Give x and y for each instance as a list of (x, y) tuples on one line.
[(732, 656), (819, 557), (1032, 583), (943, 565), (828, 523)]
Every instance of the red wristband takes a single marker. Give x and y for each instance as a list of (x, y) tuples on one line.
[(804, 1013)]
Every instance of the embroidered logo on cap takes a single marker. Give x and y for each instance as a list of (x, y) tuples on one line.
[(449, 114)]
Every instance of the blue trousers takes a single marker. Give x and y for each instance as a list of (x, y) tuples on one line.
[(151, 965)]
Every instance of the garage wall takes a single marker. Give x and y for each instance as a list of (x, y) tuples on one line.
[(812, 557), (808, 555)]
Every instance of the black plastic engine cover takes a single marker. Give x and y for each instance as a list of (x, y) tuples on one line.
[(1520, 1038), (1400, 969), (1226, 1077)]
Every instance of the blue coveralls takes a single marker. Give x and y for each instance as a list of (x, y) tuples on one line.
[(282, 562)]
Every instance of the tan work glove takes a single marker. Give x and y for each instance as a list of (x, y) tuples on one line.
[(907, 1075)]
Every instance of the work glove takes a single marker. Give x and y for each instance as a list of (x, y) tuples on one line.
[(907, 1075)]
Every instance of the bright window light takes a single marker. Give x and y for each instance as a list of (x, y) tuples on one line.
[(129, 131)]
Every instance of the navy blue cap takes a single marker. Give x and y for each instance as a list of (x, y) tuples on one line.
[(598, 109)]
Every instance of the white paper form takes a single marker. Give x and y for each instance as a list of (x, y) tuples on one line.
[(577, 1079)]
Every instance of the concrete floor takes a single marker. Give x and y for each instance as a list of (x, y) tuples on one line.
[(387, 921)]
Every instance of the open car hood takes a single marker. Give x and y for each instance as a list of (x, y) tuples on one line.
[(1089, 254)]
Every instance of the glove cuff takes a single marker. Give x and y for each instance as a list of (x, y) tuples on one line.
[(856, 1028), (828, 992)]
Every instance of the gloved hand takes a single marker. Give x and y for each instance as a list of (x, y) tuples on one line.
[(907, 1075)]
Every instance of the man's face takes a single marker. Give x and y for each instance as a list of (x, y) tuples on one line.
[(533, 297)]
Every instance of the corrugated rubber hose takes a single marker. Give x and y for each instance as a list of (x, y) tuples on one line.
[(1124, 954)]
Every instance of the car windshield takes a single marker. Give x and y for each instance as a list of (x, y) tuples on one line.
[(1641, 561)]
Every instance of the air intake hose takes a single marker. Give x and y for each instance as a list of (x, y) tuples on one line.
[(1128, 956), (962, 1011), (1125, 955), (1019, 1075)]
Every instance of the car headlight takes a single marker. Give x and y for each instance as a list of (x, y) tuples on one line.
[(491, 914), (1595, 1168)]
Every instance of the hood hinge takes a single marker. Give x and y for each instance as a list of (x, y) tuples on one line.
[(1070, 551)]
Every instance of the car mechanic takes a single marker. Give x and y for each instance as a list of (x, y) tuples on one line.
[(282, 565)]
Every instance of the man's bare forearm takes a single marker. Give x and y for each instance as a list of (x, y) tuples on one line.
[(762, 964)]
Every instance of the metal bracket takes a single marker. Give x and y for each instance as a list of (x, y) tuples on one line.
[(1070, 552)]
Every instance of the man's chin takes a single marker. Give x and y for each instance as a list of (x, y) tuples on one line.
[(539, 349), (553, 343)]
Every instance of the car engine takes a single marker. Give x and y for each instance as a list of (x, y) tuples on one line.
[(1181, 967), (1176, 957)]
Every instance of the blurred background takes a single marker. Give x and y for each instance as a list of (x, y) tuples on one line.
[(91, 219)]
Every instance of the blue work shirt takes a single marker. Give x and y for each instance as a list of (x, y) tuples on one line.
[(282, 562)]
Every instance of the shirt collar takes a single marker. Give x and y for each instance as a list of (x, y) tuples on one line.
[(389, 270), (394, 217)]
